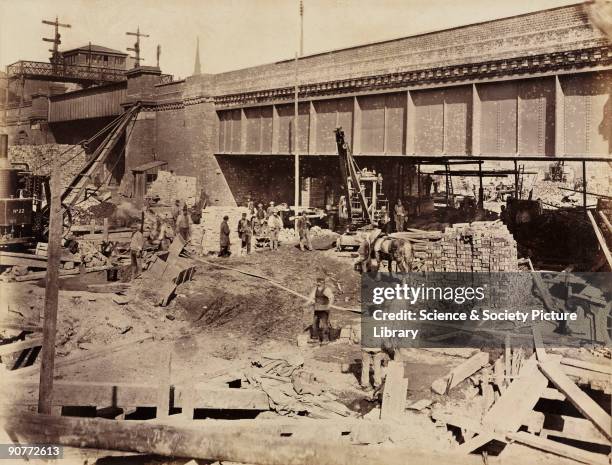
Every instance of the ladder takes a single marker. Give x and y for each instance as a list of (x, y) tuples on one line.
[(77, 186)]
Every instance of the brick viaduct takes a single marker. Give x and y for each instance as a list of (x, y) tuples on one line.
[(534, 86)]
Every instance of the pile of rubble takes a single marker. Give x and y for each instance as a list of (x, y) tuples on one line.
[(481, 246), (38, 158), (505, 393), (290, 235)]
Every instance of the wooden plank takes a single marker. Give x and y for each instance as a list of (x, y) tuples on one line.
[(7, 349), (598, 367), (217, 441), (600, 239), (460, 421), (583, 375), (559, 449), (606, 221), (395, 391), (39, 257), (163, 403), (538, 344), (585, 405), (22, 261), (80, 358), (20, 327), (109, 394), (542, 290), (518, 400), (43, 274), (577, 429), (475, 443), (461, 372), (70, 393), (202, 397), (552, 394)]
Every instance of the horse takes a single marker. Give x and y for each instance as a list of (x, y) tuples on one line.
[(396, 250), (387, 248)]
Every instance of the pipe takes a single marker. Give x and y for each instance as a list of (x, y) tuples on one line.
[(4, 161)]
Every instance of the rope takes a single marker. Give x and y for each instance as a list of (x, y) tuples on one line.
[(107, 179), (271, 281), (80, 143)]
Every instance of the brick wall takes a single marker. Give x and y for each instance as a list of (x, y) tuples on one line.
[(187, 133), (140, 144), (185, 128), (544, 31)]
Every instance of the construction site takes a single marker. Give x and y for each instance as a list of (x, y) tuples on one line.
[(182, 261)]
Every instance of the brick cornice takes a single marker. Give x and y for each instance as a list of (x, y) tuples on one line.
[(522, 65)]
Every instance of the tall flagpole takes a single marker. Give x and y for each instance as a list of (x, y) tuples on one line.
[(296, 154)]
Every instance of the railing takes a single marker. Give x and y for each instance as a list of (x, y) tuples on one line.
[(166, 78), (64, 72)]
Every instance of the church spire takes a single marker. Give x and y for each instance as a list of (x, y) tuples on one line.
[(197, 69)]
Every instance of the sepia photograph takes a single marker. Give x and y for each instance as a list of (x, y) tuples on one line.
[(306, 232)]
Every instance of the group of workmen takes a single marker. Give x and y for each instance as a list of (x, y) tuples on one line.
[(159, 234), (264, 223)]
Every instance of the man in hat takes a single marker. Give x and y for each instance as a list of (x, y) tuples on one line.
[(224, 238), (275, 224), (245, 232), (322, 298), (183, 224), (303, 227), (400, 215)]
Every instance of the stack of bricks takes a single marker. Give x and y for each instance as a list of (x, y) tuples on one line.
[(170, 187), (206, 233), (481, 246)]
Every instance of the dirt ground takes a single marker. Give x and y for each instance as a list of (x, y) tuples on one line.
[(220, 321)]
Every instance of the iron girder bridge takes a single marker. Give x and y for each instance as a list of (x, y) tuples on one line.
[(60, 72)]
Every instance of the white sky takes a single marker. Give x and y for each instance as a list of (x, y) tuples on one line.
[(234, 33)]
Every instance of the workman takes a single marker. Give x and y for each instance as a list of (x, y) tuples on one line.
[(303, 227), (275, 224), (245, 232), (183, 225), (136, 245), (400, 215), (176, 211), (322, 298), (224, 238), (374, 358)]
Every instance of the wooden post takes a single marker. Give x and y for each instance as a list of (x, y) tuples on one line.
[(54, 250), (480, 188), (163, 404), (219, 441), (418, 189), (105, 232), (584, 185), (516, 180)]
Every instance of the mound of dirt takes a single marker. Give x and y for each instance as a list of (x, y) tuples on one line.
[(226, 300)]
